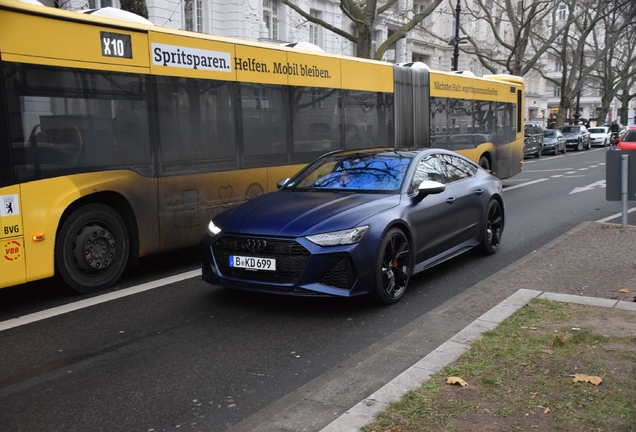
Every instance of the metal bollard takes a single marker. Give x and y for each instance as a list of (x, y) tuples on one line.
[(624, 197)]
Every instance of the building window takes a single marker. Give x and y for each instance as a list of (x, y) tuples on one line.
[(562, 12), (556, 91), (193, 13), (317, 99), (97, 4), (315, 30), (270, 16), (558, 66)]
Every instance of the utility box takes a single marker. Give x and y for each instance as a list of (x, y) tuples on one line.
[(613, 168)]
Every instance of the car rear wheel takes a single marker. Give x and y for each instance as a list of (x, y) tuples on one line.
[(493, 228), (92, 248), (393, 267)]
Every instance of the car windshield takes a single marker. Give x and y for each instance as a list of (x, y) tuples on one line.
[(360, 171), (597, 130), (630, 136), (550, 133)]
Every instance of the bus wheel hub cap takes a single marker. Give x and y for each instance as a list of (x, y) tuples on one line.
[(94, 248)]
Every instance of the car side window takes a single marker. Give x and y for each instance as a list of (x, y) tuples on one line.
[(457, 168), (429, 168)]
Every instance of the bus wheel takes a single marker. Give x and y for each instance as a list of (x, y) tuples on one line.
[(483, 162), (92, 248)]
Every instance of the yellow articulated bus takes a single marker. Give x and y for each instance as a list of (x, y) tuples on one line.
[(120, 140)]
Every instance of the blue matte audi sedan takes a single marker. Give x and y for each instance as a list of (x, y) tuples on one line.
[(356, 222)]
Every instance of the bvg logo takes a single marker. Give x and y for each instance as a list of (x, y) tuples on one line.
[(12, 250), (11, 229)]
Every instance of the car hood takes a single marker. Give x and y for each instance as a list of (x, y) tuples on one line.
[(547, 140), (287, 213), (571, 135)]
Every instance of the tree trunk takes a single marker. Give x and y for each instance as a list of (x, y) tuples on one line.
[(135, 6)]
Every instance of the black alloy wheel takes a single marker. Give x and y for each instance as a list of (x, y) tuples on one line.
[(92, 248), (493, 228), (392, 268)]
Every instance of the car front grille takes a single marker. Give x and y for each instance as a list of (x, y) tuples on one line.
[(291, 258)]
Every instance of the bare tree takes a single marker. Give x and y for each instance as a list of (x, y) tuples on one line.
[(617, 73), (584, 46), (135, 6), (364, 14)]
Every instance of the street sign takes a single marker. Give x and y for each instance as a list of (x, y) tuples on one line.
[(613, 160)]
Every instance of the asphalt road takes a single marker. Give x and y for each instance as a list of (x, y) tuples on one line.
[(192, 356)]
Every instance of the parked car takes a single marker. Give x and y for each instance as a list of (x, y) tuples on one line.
[(628, 140), (533, 139), (600, 136), (553, 141), (356, 222), (576, 136)]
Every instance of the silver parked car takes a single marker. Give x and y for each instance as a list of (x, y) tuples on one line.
[(553, 141), (576, 136)]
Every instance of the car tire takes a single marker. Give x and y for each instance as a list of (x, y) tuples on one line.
[(579, 145), (393, 267), (538, 153), (556, 149), (92, 248), (565, 149), (493, 228), (588, 146)]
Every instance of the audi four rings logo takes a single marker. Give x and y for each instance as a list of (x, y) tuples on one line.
[(254, 245)]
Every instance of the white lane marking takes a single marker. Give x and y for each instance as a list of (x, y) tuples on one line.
[(571, 172), (525, 184), (596, 185), (548, 170), (614, 216), (60, 310), (557, 176)]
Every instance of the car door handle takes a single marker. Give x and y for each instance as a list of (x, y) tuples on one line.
[(450, 200), (479, 191)]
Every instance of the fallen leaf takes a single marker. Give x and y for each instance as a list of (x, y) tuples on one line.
[(529, 327), (456, 380), (587, 378), (545, 409), (622, 290), (547, 351)]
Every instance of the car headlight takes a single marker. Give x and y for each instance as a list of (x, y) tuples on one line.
[(213, 229), (345, 237)]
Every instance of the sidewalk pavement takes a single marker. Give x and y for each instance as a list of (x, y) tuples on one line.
[(587, 265)]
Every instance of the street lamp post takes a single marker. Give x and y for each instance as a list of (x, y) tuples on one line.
[(578, 94), (456, 52)]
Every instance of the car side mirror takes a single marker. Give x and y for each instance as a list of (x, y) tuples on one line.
[(281, 183), (429, 187)]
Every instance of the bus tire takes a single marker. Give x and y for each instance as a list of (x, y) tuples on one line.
[(92, 248), (484, 163)]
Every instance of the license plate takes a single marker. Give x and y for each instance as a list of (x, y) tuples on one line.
[(252, 263)]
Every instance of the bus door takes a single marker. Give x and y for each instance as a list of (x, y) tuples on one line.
[(12, 262)]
